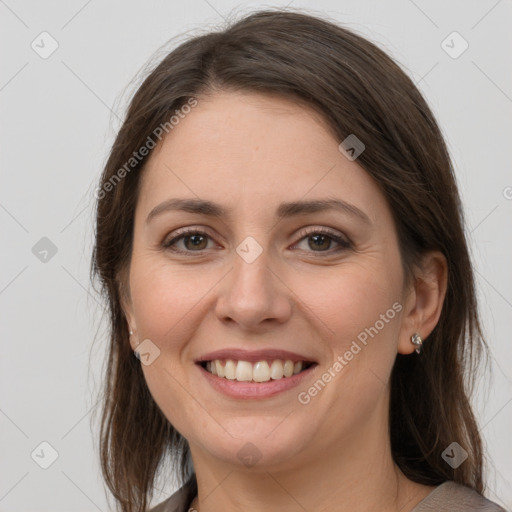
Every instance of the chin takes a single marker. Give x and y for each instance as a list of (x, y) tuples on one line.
[(265, 444)]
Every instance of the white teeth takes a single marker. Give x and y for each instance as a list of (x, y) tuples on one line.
[(229, 369), (276, 369), (219, 368), (261, 372), (288, 368), (244, 371)]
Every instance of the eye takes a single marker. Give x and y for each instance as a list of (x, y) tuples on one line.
[(321, 239), (193, 240)]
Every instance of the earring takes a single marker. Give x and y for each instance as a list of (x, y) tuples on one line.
[(417, 341), (131, 333)]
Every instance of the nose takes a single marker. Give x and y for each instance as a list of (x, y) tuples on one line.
[(253, 295)]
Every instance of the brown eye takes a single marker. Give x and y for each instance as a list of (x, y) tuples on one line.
[(196, 241), (321, 240), (192, 241)]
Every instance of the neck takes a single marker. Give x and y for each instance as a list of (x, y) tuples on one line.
[(357, 474)]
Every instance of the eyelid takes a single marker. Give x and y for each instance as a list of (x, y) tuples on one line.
[(338, 237), (311, 230), (183, 232)]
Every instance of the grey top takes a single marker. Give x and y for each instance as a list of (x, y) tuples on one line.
[(447, 497)]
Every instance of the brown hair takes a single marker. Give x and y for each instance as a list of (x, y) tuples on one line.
[(359, 90)]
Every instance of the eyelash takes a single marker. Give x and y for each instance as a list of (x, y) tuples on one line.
[(185, 232)]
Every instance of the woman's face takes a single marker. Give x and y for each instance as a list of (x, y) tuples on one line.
[(315, 285)]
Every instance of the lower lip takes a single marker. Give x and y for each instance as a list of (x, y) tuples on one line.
[(252, 390)]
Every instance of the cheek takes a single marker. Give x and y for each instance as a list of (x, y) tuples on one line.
[(165, 302), (164, 296), (352, 299), (361, 308)]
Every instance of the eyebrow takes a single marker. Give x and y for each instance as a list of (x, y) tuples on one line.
[(285, 210)]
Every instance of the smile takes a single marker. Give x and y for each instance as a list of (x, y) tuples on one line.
[(260, 371), (255, 374)]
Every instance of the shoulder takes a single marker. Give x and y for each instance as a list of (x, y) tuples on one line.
[(448, 496), (454, 497), (177, 502)]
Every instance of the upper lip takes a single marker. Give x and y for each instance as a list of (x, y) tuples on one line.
[(254, 356)]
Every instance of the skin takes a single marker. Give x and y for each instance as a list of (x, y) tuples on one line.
[(250, 152)]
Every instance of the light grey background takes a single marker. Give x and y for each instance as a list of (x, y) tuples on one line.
[(59, 116)]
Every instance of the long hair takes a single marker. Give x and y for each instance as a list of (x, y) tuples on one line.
[(359, 90)]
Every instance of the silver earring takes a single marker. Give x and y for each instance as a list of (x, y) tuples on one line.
[(131, 333), (417, 341)]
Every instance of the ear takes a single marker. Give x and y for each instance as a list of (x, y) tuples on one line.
[(423, 300), (126, 306)]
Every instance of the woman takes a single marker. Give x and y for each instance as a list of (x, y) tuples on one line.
[(280, 240)]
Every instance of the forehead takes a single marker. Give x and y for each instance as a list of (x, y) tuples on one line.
[(254, 149)]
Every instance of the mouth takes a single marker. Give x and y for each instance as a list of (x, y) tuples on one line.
[(255, 374), (263, 370)]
